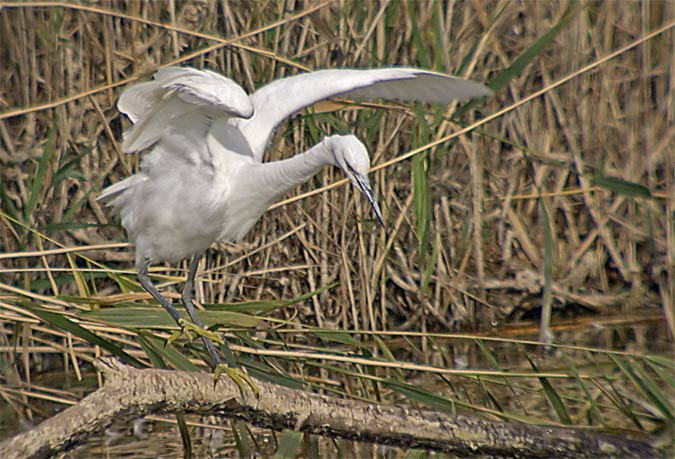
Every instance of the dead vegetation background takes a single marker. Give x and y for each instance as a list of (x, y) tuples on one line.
[(565, 201)]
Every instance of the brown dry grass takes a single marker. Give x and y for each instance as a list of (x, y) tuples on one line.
[(616, 120), (61, 68)]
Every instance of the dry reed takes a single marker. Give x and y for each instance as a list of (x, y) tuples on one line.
[(568, 195)]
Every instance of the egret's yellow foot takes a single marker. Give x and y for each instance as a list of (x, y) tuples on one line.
[(192, 331), (238, 375)]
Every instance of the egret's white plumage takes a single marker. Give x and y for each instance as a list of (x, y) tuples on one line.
[(204, 179), (282, 98)]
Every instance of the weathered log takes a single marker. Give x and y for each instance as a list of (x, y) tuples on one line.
[(129, 393)]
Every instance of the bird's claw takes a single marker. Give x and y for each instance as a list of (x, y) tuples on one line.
[(238, 376), (192, 331)]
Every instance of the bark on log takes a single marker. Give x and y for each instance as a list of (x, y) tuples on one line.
[(129, 393)]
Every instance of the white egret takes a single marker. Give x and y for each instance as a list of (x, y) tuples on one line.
[(204, 179)]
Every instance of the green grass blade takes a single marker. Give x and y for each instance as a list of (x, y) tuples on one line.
[(645, 385), (619, 186), (7, 203), (530, 54), (417, 454), (242, 438), (290, 445), (547, 300), (418, 40), (388, 355), (421, 191), (422, 395), (266, 368), (184, 436), (666, 377), (262, 307), (260, 370), (146, 344), (657, 396), (493, 21), (667, 362), (156, 317), (593, 405), (430, 265), (40, 174), (336, 336), (553, 397), (159, 353), (438, 48), (64, 323), (492, 360), (607, 388), (71, 212), (69, 169)]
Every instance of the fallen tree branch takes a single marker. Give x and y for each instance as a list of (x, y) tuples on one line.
[(129, 393)]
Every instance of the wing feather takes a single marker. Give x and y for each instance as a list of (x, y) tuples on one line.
[(180, 102), (282, 98)]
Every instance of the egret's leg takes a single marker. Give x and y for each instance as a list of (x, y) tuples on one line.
[(188, 290), (238, 375), (192, 311), (146, 283)]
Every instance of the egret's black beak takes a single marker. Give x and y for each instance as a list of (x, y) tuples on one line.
[(364, 185)]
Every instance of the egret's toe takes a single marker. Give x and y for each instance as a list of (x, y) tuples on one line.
[(238, 375), (192, 331)]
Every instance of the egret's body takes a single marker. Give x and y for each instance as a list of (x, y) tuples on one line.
[(204, 179)]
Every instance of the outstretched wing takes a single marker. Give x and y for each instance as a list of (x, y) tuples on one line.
[(180, 102), (282, 98)]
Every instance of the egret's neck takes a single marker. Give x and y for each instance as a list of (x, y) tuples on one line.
[(275, 179)]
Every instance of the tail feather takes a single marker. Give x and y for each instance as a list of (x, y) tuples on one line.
[(115, 190)]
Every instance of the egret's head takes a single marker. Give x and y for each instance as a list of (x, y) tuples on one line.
[(351, 156)]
